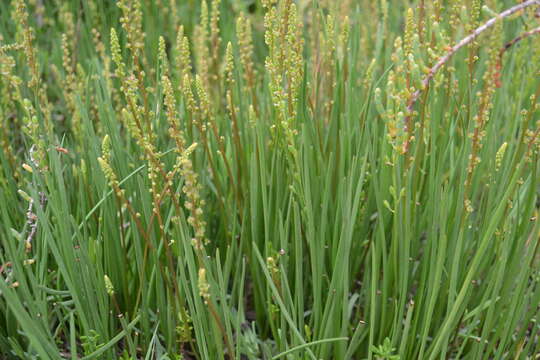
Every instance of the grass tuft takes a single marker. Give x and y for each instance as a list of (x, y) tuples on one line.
[(273, 179)]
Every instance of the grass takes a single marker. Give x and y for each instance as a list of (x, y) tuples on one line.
[(269, 180)]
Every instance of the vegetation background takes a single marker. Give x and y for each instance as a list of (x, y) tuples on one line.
[(239, 179)]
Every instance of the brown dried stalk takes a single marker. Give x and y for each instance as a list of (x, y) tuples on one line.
[(523, 36), (507, 46), (465, 41)]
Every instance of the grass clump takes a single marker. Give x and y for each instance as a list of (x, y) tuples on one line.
[(269, 179)]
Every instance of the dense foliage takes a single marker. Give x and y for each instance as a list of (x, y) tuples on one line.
[(235, 179)]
